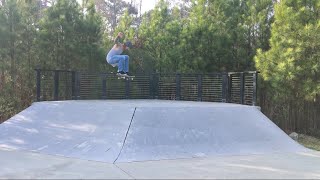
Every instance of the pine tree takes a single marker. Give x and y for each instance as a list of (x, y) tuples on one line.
[(112, 10), (60, 34), (17, 54), (292, 65), (153, 33), (90, 45)]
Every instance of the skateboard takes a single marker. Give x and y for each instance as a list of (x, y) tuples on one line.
[(126, 77)]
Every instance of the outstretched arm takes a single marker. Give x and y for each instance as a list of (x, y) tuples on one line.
[(117, 40), (119, 44)]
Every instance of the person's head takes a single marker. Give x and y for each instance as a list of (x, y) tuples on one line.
[(128, 44)]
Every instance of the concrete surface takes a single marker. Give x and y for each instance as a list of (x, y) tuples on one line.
[(90, 131), (27, 165), (267, 166), (121, 139), (159, 133)]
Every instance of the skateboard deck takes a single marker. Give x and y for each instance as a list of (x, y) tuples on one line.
[(126, 77)]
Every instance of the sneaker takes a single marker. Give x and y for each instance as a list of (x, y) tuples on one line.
[(121, 73)]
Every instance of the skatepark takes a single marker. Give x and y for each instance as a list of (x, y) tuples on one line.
[(159, 89), (149, 139)]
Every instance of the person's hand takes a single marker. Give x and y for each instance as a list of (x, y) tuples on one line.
[(117, 40), (124, 47), (120, 34)]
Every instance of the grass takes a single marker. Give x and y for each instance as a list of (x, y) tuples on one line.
[(309, 142)]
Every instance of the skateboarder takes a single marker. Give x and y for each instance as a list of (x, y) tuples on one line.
[(115, 58)]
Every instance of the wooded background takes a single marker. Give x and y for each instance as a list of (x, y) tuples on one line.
[(279, 38)]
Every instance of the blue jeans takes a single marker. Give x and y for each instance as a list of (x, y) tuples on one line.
[(122, 62)]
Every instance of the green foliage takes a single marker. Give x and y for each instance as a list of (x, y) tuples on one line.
[(216, 36), (63, 36), (292, 65), (160, 35), (69, 39), (59, 35), (125, 26), (91, 39), (17, 54)]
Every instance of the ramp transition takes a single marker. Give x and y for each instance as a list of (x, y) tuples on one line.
[(142, 130)]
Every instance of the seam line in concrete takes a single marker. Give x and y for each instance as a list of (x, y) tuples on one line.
[(126, 135), (125, 172)]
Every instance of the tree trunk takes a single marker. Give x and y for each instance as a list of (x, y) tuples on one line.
[(140, 10), (12, 48)]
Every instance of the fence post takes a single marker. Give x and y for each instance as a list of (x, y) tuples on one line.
[(56, 85), (241, 88), (224, 87), (229, 87), (178, 86), (155, 86), (77, 85), (199, 87), (127, 88), (104, 86), (38, 84), (151, 86), (73, 85), (255, 87)]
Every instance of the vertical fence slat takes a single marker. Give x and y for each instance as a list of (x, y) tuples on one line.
[(151, 87), (56, 85), (224, 87), (255, 86), (104, 87), (242, 88), (199, 87), (77, 86), (38, 84), (229, 87), (127, 88), (156, 86), (73, 85), (178, 86)]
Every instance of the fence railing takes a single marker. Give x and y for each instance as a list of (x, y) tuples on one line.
[(231, 87)]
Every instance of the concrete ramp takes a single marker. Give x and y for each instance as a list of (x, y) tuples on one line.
[(142, 130), (158, 133), (82, 130)]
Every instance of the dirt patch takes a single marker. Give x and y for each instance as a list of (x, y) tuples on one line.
[(309, 142)]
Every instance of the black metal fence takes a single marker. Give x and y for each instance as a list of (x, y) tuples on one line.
[(232, 87)]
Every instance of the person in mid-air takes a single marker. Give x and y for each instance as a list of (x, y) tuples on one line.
[(115, 58)]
